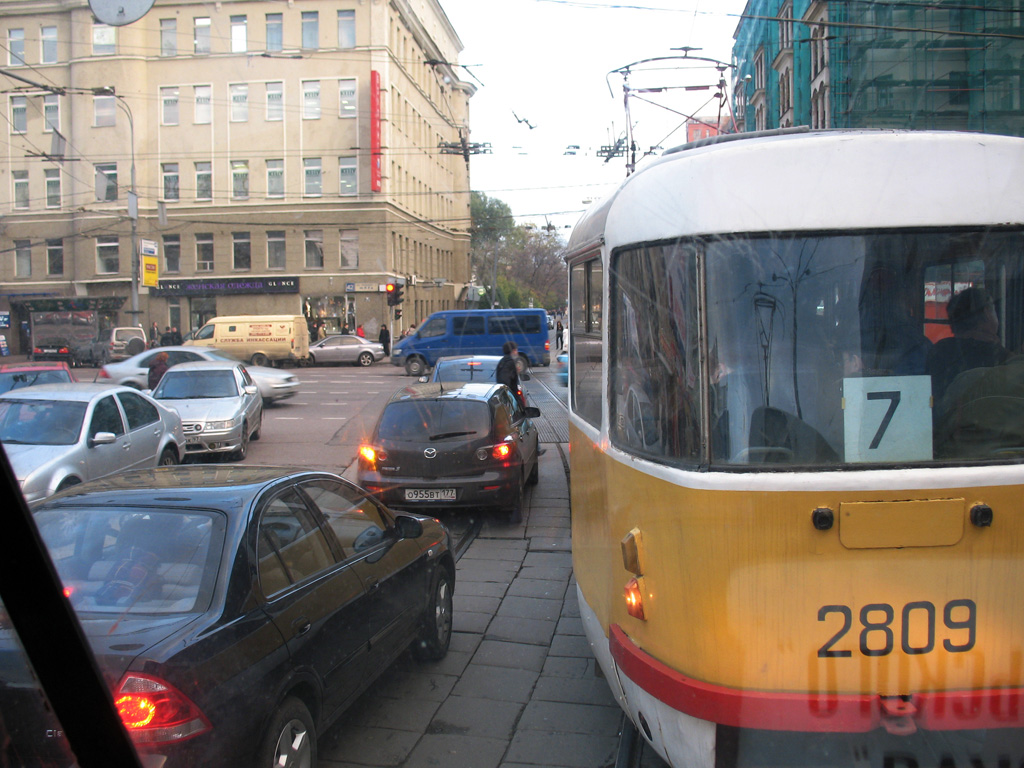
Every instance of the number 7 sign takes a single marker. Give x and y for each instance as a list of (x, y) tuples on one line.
[(887, 418)]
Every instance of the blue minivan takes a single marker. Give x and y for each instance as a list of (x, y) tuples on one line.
[(475, 332)]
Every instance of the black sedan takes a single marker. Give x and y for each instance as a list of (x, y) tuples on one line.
[(236, 611)]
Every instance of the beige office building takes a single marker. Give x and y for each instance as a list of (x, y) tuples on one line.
[(286, 156)]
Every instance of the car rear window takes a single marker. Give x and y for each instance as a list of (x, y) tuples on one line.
[(465, 370), (134, 561), (432, 420)]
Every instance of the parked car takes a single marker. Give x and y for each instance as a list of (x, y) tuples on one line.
[(344, 348), (437, 446), (220, 406), (56, 348), (241, 611), (274, 384), (562, 368), (112, 345), (59, 435), (470, 368), (18, 375)]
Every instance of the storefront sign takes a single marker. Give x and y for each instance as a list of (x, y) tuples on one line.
[(226, 287)]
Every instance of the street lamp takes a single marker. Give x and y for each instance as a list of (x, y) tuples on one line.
[(133, 201)]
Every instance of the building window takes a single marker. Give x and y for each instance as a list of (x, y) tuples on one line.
[(204, 252), (275, 178), (104, 111), (346, 29), (172, 253), (786, 27), (168, 37), (201, 35), (23, 258), (275, 36), (51, 112), (48, 45), (240, 179), (52, 187), (239, 36), (310, 29), (19, 114), (314, 248), (310, 99), (16, 47), (174, 313), (204, 111), (275, 101), (239, 102), (347, 176), (275, 249), (108, 260), (106, 182), (104, 40), (21, 198), (347, 97), (314, 178), (241, 251), (204, 181), (170, 176), (349, 248), (169, 102), (55, 257)]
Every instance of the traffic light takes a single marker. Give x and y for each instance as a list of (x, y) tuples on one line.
[(398, 314), (396, 295), (390, 289)]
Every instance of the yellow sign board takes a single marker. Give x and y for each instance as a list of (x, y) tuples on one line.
[(150, 271)]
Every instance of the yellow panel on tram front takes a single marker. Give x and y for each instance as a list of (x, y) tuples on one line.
[(743, 591)]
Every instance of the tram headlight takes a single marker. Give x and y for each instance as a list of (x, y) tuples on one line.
[(634, 594)]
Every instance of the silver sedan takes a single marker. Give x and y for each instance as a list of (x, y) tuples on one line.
[(339, 349), (220, 407), (273, 384), (59, 435)]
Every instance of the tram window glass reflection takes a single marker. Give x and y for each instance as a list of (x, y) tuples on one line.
[(835, 349), (654, 377), (586, 346)]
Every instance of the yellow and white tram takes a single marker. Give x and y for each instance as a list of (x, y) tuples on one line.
[(797, 447)]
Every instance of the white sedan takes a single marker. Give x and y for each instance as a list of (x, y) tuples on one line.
[(273, 384), (59, 435)]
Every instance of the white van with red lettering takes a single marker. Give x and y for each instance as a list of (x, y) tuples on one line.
[(258, 339)]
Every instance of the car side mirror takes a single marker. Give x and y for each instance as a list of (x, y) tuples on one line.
[(102, 438), (422, 379), (251, 390), (524, 376), (532, 412), (408, 527)]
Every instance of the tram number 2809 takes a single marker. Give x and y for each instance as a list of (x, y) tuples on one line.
[(878, 633)]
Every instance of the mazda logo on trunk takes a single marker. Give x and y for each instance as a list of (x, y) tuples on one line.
[(430, 453)]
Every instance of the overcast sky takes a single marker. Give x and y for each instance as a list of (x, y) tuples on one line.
[(546, 61)]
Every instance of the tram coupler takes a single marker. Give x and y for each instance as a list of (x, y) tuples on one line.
[(898, 715)]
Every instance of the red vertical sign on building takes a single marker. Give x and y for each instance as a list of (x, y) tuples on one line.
[(375, 156)]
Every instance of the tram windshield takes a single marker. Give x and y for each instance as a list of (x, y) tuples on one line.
[(878, 348)]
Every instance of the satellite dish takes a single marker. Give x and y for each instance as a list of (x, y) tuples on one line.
[(117, 13)]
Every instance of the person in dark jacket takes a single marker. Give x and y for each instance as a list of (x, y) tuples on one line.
[(385, 339), (157, 369), (506, 372)]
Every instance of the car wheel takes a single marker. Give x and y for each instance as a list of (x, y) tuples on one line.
[(415, 366), (67, 482), (290, 738), (436, 624), (168, 458), (534, 476), (515, 512), (258, 432), (259, 359), (366, 359), (243, 449), (312, 360)]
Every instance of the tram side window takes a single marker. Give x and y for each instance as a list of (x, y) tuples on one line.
[(586, 284), (654, 377)]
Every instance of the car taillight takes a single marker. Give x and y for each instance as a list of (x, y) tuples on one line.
[(547, 346), (103, 374), (37, 351), (155, 712), (370, 455)]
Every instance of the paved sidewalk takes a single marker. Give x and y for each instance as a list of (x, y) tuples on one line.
[(519, 686)]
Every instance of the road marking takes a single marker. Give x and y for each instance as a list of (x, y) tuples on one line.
[(287, 418)]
